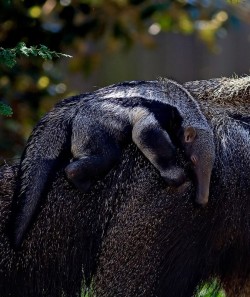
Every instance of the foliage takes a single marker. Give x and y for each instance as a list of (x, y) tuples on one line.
[(211, 289), (8, 56), (87, 293), (5, 109)]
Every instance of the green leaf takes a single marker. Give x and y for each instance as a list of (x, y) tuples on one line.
[(5, 109), (8, 56), (23, 49), (211, 289)]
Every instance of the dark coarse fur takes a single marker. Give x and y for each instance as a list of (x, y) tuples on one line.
[(134, 235), (89, 130)]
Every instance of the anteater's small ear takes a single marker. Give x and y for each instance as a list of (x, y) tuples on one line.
[(189, 134)]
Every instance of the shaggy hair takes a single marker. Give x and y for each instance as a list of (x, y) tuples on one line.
[(168, 247), (133, 235)]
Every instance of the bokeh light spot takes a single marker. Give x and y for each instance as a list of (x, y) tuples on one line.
[(154, 29), (65, 2), (35, 11), (60, 88), (43, 82), (4, 81), (48, 65), (222, 16)]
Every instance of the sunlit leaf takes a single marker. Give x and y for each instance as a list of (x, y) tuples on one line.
[(8, 56)]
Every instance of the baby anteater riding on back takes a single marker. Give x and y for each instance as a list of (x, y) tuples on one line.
[(153, 113)]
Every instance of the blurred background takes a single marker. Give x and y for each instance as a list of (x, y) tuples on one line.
[(112, 41)]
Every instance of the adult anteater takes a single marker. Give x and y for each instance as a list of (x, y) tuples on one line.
[(132, 234)]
